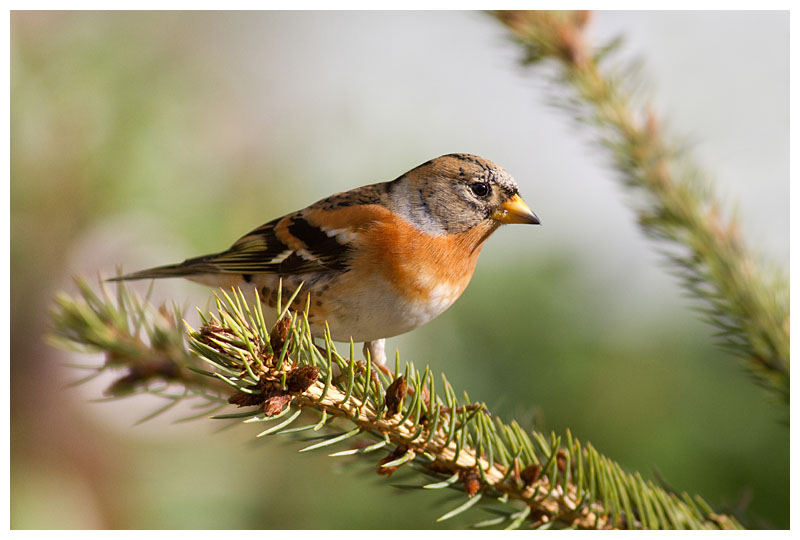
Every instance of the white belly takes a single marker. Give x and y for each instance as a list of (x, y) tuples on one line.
[(381, 313)]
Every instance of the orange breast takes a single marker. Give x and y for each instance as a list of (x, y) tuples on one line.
[(413, 262), (416, 263)]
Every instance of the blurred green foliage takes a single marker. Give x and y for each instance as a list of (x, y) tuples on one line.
[(116, 121)]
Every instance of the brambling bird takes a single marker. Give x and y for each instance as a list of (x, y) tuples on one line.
[(378, 260)]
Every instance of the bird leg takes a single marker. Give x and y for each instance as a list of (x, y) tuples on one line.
[(377, 355), (376, 352)]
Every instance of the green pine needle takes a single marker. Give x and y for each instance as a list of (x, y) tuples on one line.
[(459, 443), (675, 202)]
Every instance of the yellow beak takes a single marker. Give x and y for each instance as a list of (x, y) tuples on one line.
[(515, 210)]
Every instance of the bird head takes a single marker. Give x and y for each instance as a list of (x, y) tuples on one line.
[(455, 192)]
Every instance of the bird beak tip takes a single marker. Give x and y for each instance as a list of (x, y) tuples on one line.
[(515, 210)]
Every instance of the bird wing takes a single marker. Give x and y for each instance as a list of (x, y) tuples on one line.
[(317, 239), (288, 245)]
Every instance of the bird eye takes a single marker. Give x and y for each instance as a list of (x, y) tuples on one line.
[(480, 189)]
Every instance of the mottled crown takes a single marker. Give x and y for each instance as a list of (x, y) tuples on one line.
[(445, 195)]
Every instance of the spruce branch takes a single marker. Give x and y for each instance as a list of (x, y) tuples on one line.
[(275, 374), (678, 205)]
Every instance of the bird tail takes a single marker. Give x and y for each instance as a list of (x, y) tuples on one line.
[(189, 267)]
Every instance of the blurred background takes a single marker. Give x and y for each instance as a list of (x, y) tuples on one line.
[(144, 138)]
